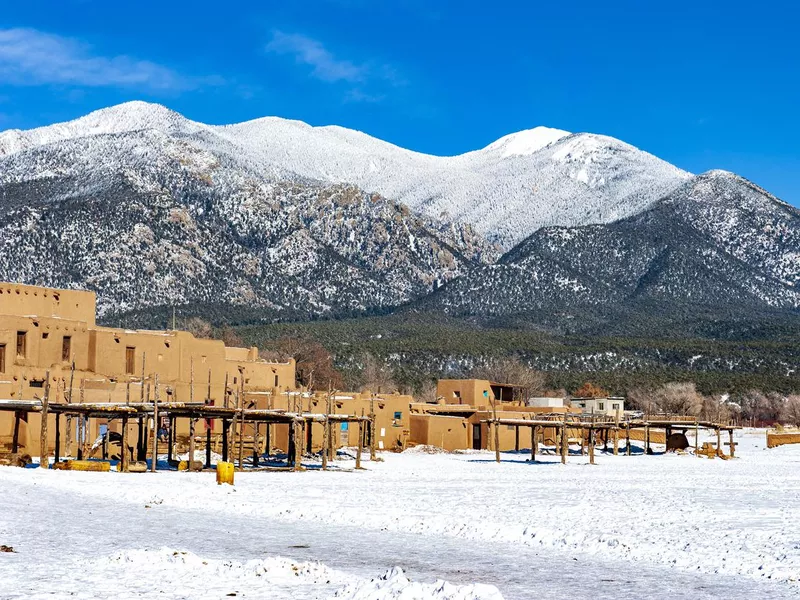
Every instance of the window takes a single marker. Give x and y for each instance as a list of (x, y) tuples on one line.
[(615, 406), (398, 415), (2, 358), (601, 406), (130, 360), (21, 345), (276, 381), (66, 348)]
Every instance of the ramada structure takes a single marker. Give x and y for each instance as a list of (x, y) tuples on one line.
[(66, 381)]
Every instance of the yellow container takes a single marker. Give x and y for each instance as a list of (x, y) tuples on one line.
[(225, 473)]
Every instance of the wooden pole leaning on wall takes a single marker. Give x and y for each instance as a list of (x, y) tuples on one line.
[(153, 465), (44, 460)]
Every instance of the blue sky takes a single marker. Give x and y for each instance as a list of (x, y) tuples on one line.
[(702, 84)]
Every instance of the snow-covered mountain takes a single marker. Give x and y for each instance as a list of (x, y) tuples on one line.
[(717, 241), (506, 191), (151, 209)]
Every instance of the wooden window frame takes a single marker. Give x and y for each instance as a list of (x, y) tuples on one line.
[(22, 344), (66, 348)]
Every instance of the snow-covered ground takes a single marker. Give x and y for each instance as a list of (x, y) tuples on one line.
[(629, 527)]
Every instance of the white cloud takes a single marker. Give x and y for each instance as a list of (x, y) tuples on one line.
[(308, 51), (32, 57), (368, 80)]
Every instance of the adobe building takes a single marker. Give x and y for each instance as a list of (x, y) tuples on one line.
[(44, 330), (457, 420)]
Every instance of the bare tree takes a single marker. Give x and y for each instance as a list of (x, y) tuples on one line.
[(511, 370), (315, 368), (376, 375), (678, 399), (791, 410), (427, 392), (642, 398), (199, 328)]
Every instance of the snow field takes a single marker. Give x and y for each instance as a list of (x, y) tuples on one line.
[(678, 513)]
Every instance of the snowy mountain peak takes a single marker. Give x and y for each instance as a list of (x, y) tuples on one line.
[(526, 142), (129, 116), (506, 191)]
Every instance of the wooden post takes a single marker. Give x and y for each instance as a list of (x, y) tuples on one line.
[(628, 439), (83, 421), (733, 446), (208, 446), (123, 457), (56, 457), (68, 441), (171, 440), (239, 401), (15, 440), (294, 433), (616, 440), (591, 445), (225, 429), (255, 443), (155, 426), (583, 443), (44, 460), (192, 422), (372, 427), (564, 441), (325, 433), (696, 439), (516, 438), (719, 440), (360, 444), (647, 438), (268, 441), (533, 443)]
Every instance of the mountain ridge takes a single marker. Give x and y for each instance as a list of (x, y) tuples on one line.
[(506, 190)]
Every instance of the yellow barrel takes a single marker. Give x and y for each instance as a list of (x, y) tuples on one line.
[(225, 473)]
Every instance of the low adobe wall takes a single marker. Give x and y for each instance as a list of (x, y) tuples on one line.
[(775, 438)]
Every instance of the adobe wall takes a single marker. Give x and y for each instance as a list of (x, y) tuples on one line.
[(23, 300), (775, 439), (471, 391)]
